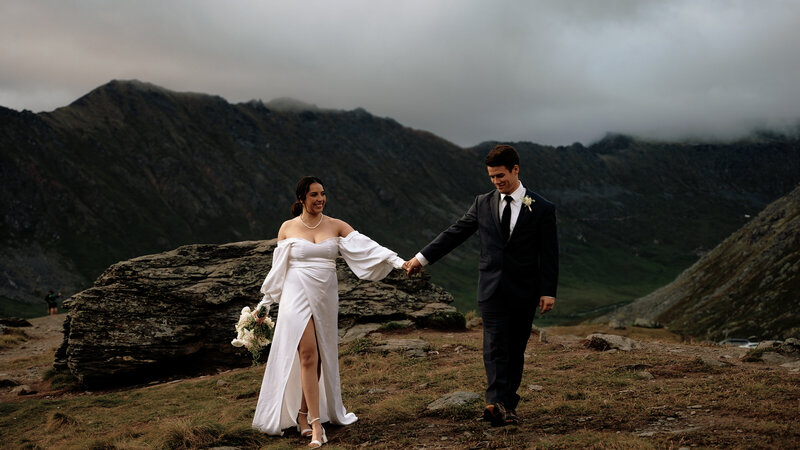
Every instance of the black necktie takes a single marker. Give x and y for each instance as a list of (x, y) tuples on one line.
[(505, 221)]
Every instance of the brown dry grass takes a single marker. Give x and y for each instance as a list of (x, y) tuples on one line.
[(13, 337), (581, 399)]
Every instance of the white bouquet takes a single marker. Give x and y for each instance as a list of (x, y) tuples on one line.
[(252, 335)]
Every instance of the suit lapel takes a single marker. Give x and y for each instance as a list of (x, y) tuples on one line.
[(524, 215), (494, 204)]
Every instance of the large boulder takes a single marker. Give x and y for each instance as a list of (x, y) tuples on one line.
[(175, 312)]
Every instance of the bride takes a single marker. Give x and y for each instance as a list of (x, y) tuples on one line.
[(301, 382)]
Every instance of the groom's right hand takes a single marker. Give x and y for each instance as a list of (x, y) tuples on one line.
[(412, 266)]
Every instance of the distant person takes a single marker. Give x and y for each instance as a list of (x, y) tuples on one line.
[(301, 384), (52, 303), (518, 270)]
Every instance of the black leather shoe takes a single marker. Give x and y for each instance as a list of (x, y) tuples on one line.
[(495, 414), (511, 417)]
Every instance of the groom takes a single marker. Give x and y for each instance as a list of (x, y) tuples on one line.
[(518, 270)]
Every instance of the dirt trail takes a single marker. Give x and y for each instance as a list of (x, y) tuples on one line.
[(26, 362)]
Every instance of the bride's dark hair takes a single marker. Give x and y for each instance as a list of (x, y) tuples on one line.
[(300, 193)]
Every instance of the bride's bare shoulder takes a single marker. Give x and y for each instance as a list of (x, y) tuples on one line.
[(342, 227), (285, 227)]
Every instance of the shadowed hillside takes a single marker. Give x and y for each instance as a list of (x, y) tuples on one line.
[(132, 169), (747, 286)]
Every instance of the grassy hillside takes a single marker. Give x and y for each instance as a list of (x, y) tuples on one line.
[(745, 286)]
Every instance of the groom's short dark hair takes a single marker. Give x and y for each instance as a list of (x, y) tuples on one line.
[(503, 155)]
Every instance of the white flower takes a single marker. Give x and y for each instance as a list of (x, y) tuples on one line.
[(246, 319), (248, 337), (253, 335), (527, 201)]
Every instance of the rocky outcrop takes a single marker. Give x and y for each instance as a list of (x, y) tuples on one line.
[(454, 400), (604, 342), (747, 286), (175, 312)]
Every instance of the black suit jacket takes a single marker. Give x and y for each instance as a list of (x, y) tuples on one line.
[(526, 265)]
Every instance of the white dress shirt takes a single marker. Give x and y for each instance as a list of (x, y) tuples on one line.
[(516, 207)]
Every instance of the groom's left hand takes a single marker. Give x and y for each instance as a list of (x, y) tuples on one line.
[(546, 303)]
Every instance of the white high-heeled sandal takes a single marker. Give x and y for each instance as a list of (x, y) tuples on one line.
[(306, 432), (315, 443)]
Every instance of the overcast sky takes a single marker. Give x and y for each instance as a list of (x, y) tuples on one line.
[(551, 72)]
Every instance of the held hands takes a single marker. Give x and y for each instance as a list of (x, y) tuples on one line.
[(412, 266)]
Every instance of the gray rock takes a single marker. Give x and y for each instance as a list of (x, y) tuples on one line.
[(604, 342), (174, 312), (474, 322), (767, 345), (23, 389), (15, 322), (647, 323), (409, 347), (616, 324), (439, 316), (714, 362), (790, 346), (6, 382), (776, 358), (357, 331), (454, 399)]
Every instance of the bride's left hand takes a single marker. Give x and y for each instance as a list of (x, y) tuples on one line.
[(259, 320)]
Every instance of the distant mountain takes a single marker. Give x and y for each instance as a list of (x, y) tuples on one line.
[(749, 285), (132, 168)]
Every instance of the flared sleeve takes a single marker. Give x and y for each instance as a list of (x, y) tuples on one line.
[(367, 259), (272, 286)]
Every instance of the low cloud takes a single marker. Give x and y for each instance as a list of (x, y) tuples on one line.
[(551, 72)]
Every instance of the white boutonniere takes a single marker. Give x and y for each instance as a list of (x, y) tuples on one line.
[(527, 201)]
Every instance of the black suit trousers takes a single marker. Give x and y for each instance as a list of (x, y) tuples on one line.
[(506, 328)]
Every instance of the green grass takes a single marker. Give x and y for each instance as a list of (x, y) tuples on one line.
[(14, 308), (592, 279)]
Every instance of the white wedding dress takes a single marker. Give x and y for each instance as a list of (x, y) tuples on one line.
[(303, 279)]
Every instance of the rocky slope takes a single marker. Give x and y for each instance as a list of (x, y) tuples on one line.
[(748, 285), (132, 169), (175, 311)]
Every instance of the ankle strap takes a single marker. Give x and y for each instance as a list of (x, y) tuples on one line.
[(313, 420), (305, 413)]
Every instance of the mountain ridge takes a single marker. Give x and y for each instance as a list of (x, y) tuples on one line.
[(132, 168)]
